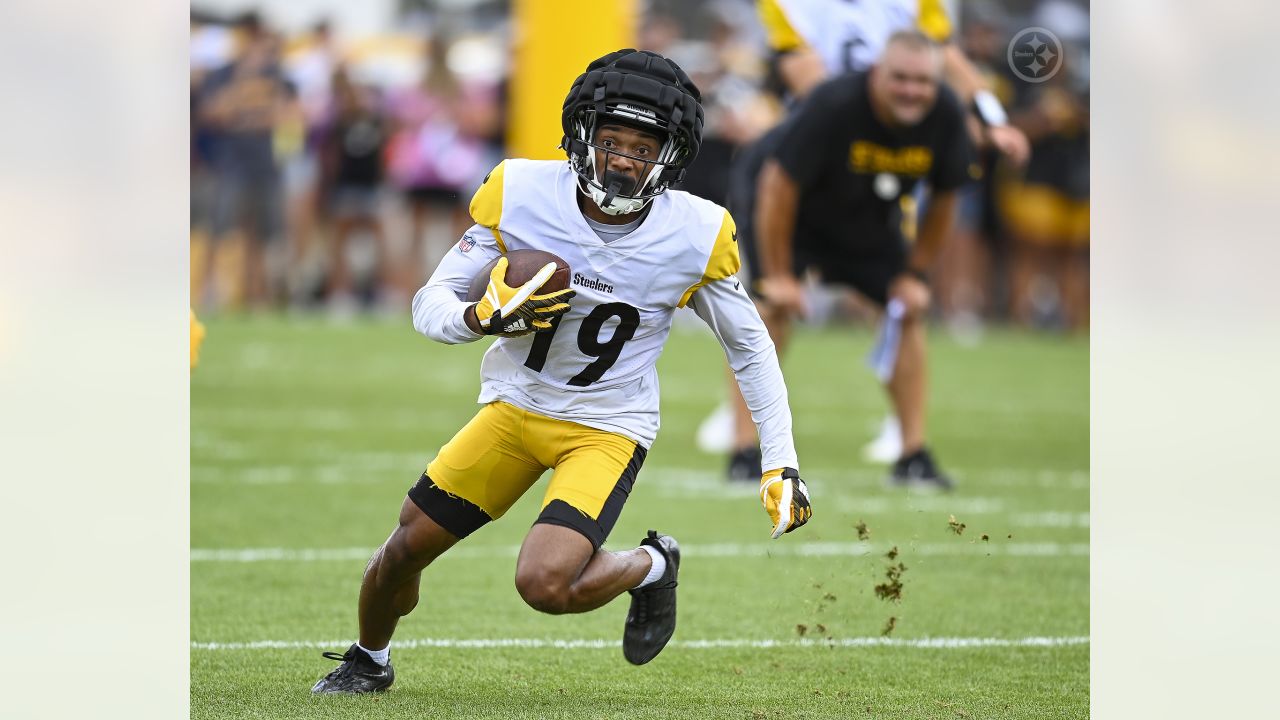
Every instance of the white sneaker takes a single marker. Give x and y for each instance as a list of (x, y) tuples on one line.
[(887, 447), (715, 434)]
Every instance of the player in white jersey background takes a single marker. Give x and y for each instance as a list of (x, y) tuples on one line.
[(580, 395), (817, 39), (814, 40)]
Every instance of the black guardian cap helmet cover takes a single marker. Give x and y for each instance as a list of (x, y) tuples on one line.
[(644, 91)]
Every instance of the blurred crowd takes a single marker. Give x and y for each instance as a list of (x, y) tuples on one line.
[(331, 172)]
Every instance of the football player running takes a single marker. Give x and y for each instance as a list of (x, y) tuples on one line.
[(571, 381)]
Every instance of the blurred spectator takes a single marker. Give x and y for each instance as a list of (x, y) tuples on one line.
[(659, 32), (728, 76), (438, 153), (213, 45), (1020, 250), (971, 279), (1047, 208), (243, 104), (267, 131), (309, 65), (353, 156)]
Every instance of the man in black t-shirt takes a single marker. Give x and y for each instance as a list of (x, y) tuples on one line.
[(825, 191)]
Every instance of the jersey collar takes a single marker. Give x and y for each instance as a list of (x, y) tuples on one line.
[(599, 254)]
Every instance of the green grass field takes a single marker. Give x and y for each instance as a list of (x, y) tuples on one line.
[(305, 437)]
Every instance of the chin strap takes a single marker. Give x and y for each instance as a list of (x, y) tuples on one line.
[(611, 193), (612, 205)]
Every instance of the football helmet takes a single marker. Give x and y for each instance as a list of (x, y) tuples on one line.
[(641, 90)]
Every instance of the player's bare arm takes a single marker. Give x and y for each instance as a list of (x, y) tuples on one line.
[(910, 288), (935, 226), (776, 218), (972, 88)]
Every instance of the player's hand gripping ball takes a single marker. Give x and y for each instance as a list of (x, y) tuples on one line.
[(521, 292), (786, 498)]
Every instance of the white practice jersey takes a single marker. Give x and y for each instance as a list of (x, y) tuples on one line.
[(599, 366), (848, 36)]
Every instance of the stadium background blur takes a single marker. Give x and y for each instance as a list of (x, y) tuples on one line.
[(385, 116)]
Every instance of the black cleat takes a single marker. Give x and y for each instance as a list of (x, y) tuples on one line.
[(358, 673), (918, 471), (744, 465), (651, 620)]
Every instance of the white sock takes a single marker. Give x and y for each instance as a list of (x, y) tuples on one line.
[(657, 569), (382, 657)]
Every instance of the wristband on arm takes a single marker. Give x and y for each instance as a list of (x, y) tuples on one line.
[(988, 109)]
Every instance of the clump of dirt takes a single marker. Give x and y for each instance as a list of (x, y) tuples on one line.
[(863, 533), (801, 629), (891, 588), (956, 526), (889, 625)]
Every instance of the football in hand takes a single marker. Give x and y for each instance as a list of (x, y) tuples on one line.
[(522, 265)]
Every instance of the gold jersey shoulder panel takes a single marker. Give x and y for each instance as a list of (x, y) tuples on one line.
[(486, 204), (723, 261), (782, 36), (932, 20)]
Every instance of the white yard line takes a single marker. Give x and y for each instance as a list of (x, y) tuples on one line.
[(941, 643), (325, 467), (403, 471), (882, 505), (1023, 477), (1052, 519), (714, 550)]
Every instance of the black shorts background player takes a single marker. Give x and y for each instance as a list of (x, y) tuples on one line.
[(824, 191)]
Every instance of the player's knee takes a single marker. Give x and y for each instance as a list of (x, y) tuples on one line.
[(415, 543), (542, 592), (406, 553)]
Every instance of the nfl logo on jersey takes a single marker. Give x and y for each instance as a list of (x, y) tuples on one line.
[(466, 243)]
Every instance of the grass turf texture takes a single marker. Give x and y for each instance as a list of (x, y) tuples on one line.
[(305, 437)]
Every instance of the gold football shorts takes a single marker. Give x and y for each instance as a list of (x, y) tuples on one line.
[(501, 453)]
